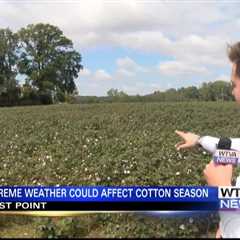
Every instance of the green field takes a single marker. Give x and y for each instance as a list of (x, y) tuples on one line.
[(108, 144)]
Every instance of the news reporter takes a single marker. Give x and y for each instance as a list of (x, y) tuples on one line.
[(221, 175)]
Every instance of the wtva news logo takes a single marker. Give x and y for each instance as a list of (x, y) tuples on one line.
[(222, 156), (229, 198)]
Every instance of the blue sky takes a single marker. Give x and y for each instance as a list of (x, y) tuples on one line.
[(138, 46), (93, 58)]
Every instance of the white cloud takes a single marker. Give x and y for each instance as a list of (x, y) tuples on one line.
[(180, 68), (172, 28), (145, 41), (175, 19), (101, 74), (201, 50), (127, 63), (192, 34), (128, 67)]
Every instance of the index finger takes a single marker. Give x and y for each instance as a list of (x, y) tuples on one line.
[(180, 133)]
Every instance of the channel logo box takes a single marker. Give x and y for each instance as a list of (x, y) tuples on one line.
[(222, 156)]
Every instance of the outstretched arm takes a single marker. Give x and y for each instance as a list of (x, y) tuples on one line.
[(207, 142)]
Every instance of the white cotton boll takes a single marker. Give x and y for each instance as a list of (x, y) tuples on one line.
[(182, 227), (190, 220), (98, 179)]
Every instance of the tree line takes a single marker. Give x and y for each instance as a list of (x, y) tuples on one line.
[(44, 59), (47, 63), (211, 91)]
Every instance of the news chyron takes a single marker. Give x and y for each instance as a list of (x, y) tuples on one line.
[(118, 198)]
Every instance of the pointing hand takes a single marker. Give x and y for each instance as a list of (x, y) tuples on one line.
[(188, 140)]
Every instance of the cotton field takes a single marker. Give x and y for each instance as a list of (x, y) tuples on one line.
[(112, 145)]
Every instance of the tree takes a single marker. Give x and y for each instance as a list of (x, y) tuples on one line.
[(8, 57), (216, 91), (222, 90), (191, 93), (206, 92), (48, 59), (115, 93), (112, 92), (171, 95)]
